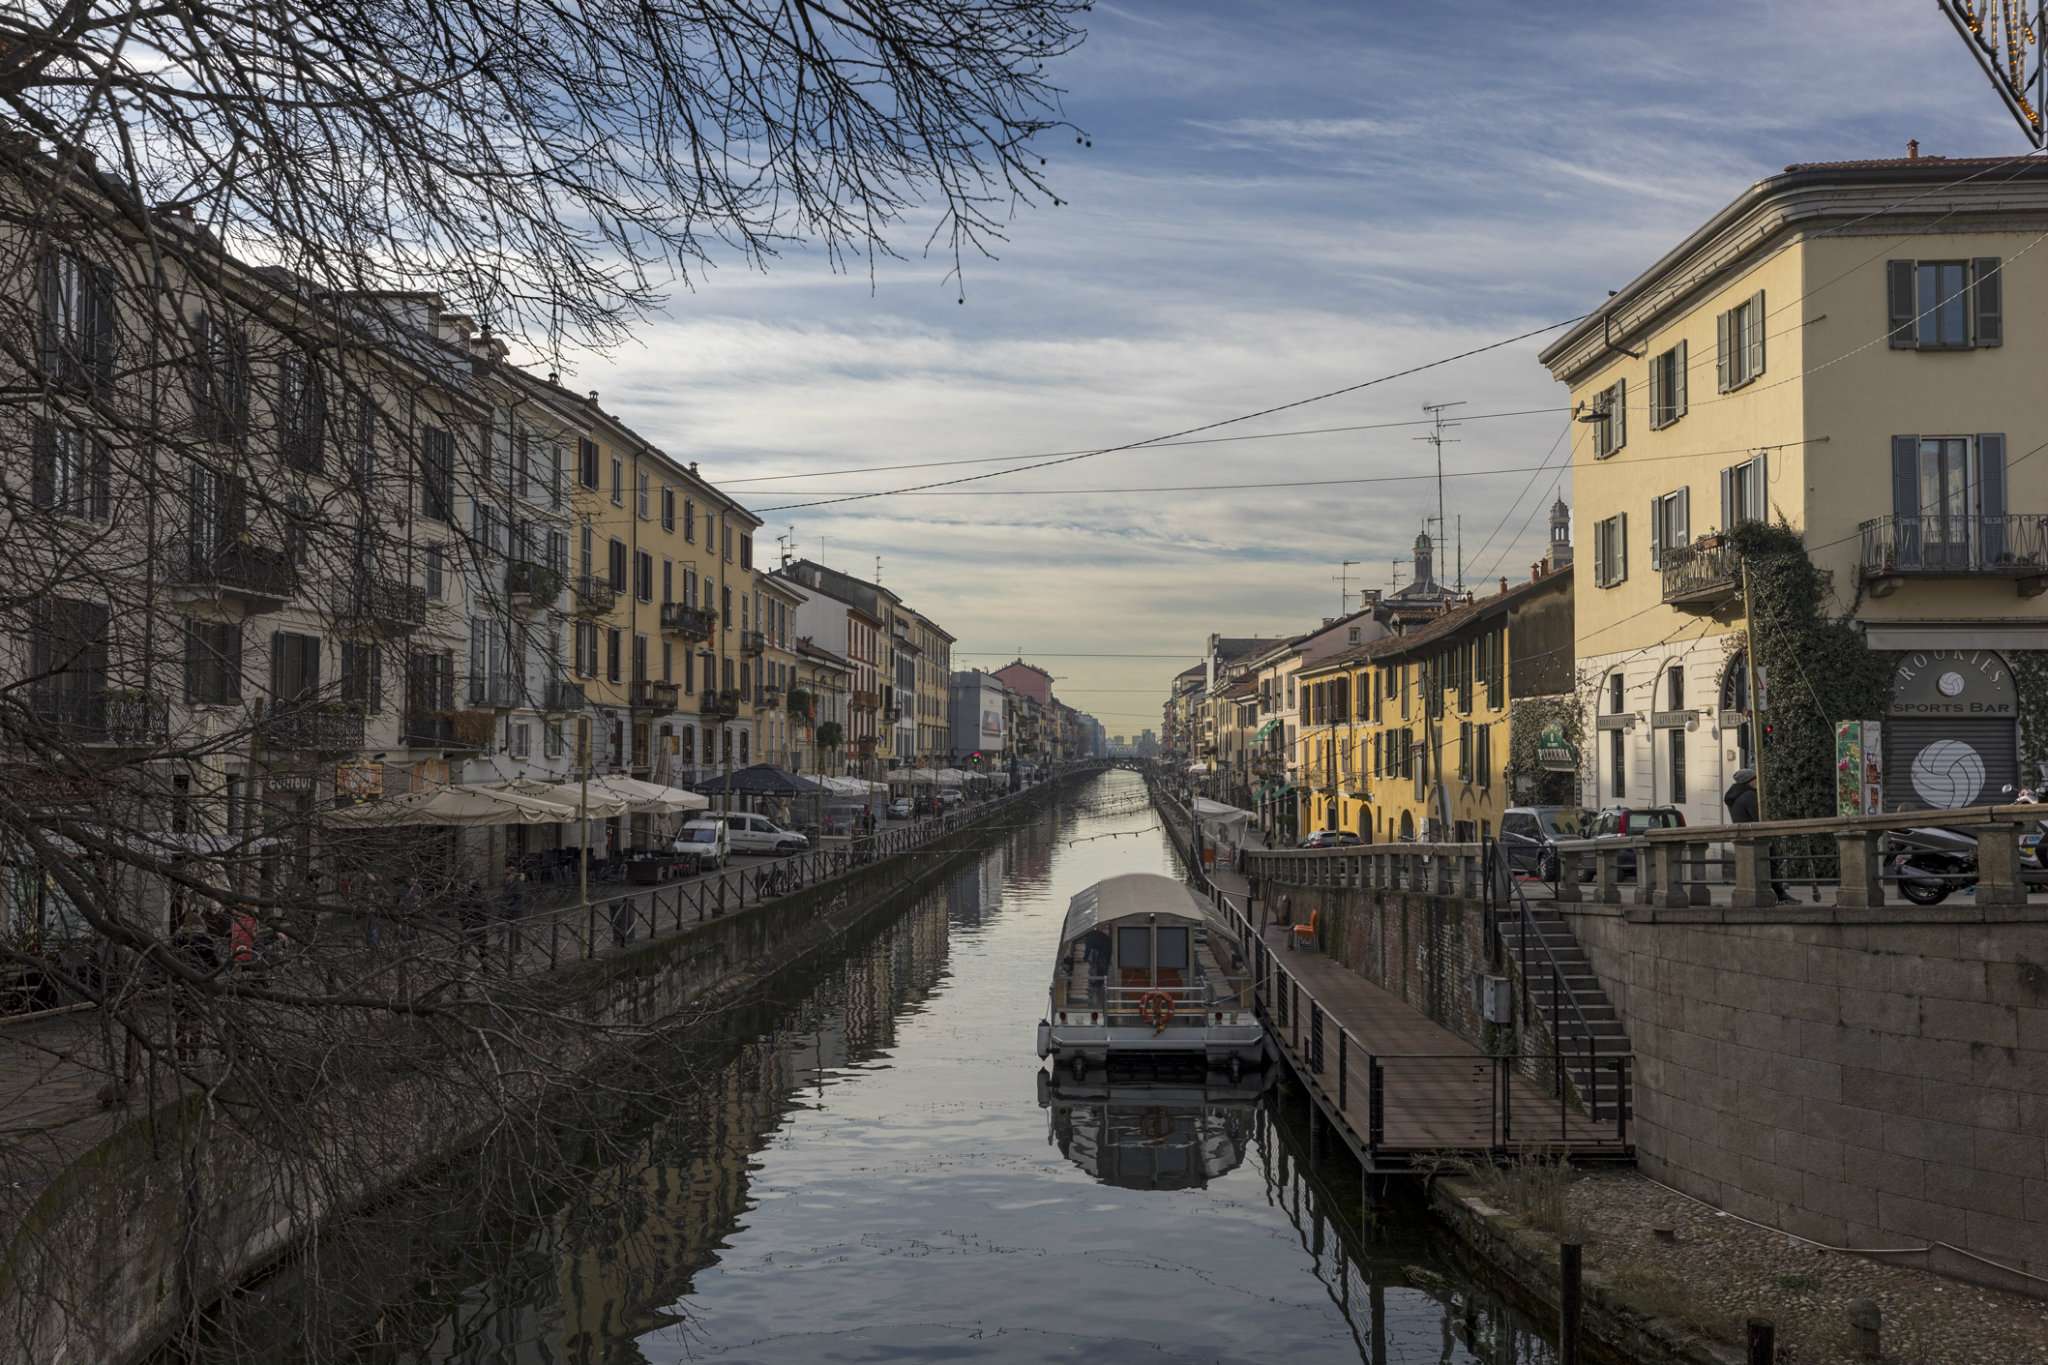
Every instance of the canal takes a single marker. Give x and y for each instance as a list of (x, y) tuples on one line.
[(870, 1167)]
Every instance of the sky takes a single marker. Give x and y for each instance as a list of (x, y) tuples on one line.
[(1280, 199)]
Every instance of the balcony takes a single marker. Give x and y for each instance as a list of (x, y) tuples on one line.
[(437, 729), (532, 586), (1702, 576), (385, 605), (310, 727), (866, 701), (753, 643), (117, 718), (723, 704), (563, 696), (688, 622), (770, 697), (592, 595), (501, 693), (2011, 547), (257, 577), (648, 695)]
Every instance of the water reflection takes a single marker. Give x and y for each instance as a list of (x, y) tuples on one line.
[(865, 1170), (1149, 1135)]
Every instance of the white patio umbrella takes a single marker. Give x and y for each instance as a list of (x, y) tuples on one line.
[(641, 798), (949, 777), (467, 807)]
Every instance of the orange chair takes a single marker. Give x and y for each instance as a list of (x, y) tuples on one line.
[(1305, 934)]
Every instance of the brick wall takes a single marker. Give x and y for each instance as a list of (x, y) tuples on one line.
[(1425, 949), (1863, 1078)]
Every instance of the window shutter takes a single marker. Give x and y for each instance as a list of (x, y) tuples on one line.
[(1600, 554), (1620, 547), (102, 322), (102, 481), (1728, 499), (1991, 494), (1723, 327), (1682, 523), (1618, 414), (1676, 398), (1754, 336), (43, 477), (277, 665), (1988, 299), (1656, 535), (1656, 392), (193, 656), (1898, 289), (231, 666), (376, 691)]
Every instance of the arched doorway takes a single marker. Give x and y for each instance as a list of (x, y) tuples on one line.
[(1365, 824), (1407, 827), (1735, 707), (1951, 731)]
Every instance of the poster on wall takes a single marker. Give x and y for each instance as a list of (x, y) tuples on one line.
[(1859, 767)]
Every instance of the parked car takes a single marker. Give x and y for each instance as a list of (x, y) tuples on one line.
[(759, 834), (707, 839), (899, 809), (1620, 822), (949, 798), (1330, 838), (1529, 835), (842, 819)]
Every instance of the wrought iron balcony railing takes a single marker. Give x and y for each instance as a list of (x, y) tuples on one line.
[(594, 596), (648, 695), (2014, 547), (1701, 575), (261, 576), (311, 727), (113, 718), (532, 585), (500, 693), (381, 603), (564, 696), (721, 704), (691, 623)]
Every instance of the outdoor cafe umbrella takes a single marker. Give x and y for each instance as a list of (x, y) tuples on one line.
[(463, 806), (950, 777), (641, 798), (762, 779)]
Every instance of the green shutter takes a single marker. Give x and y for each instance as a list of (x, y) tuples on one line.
[(1987, 301)]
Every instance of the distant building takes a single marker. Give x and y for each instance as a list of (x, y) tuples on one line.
[(976, 706)]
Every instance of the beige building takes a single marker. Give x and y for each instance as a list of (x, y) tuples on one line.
[(1843, 347)]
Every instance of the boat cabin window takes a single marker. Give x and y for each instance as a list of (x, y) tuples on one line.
[(1149, 956), (1134, 948), (1173, 950)]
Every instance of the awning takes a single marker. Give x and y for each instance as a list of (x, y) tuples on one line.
[(641, 798), (762, 779), (464, 807), (1259, 735)]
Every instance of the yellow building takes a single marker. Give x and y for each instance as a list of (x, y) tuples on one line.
[(1843, 347), (664, 638), (1408, 737)]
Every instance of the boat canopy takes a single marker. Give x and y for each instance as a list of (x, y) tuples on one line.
[(1134, 893)]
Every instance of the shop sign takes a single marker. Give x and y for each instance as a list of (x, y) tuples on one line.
[(359, 781), (1554, 754), (1953, 682)]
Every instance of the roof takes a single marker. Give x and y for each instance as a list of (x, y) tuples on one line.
[(1450, 623), (1134, 893), (1237, 647), (1243, 687), (1944, 164)]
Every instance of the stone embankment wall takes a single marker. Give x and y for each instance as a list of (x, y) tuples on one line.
[(1867, 1079), (149, 1226)]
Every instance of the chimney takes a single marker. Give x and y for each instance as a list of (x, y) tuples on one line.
[(591, 398), (555, 378), (1913, 149), (1504, 582), (178, 209)]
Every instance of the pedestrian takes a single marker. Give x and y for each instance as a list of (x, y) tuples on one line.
[(1740, 798)]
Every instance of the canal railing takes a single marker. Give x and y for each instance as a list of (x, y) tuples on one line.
[(1405, 1093)]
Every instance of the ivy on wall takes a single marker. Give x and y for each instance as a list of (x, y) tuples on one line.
[(1818, 667), (1526, 777), (2030, 686)]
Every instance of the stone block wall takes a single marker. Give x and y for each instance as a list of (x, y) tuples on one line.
[(1867, 1079)]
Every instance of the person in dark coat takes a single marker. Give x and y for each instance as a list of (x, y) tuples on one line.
[(1740, 798)]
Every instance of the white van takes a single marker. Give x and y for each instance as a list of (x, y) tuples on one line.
[(708, 840), (759, 834)]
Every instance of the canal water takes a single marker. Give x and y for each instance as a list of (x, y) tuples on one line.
[(872, 1168)]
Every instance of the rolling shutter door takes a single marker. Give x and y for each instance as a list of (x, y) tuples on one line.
[(1959, 762)]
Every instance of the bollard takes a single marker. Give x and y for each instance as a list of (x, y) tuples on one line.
[(1763, 1341), (1569, 1303), (1865, 1323)]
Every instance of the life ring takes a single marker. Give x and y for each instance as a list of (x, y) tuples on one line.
[(1156, 1009)]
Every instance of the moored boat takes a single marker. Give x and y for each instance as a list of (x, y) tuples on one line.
[(1145, 971)]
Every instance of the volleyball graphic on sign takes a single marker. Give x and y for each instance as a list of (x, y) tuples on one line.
[(1948, 773)]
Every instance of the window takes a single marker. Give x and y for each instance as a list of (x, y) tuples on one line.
[(437, 468), (1743, 493), (611, 653), (1465, 751), (1945, 305), (1674, 687), (586, 462), (213, 662), (746, 552), (690, 521), (618, 482), (361, 429), (668, 581), (362, 681), (73, 472), (725, 600), (294, 666), (725, 543), (1948, 501), (644, 497), (1616, 694), (586, 542), (668, 508), (643, 575), (301, 411), (1667, 387), (551, 738), (586, 649), (1617, 751), (68, 658), (519, 738), (1483, 755), (689, 672), (615, 564), (668, 662), (1670, 524), (1610, 426), (220, 378), (558, 551), (1739, 338), (1610, 550), (78, 321), (1674, 739), (436, 569), (639, 658), (555, 484)]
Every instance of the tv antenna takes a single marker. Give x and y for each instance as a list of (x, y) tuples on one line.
[(1437, 438), (1343, 577)]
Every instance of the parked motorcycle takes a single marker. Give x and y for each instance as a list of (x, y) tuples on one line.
[(1930, 864)]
